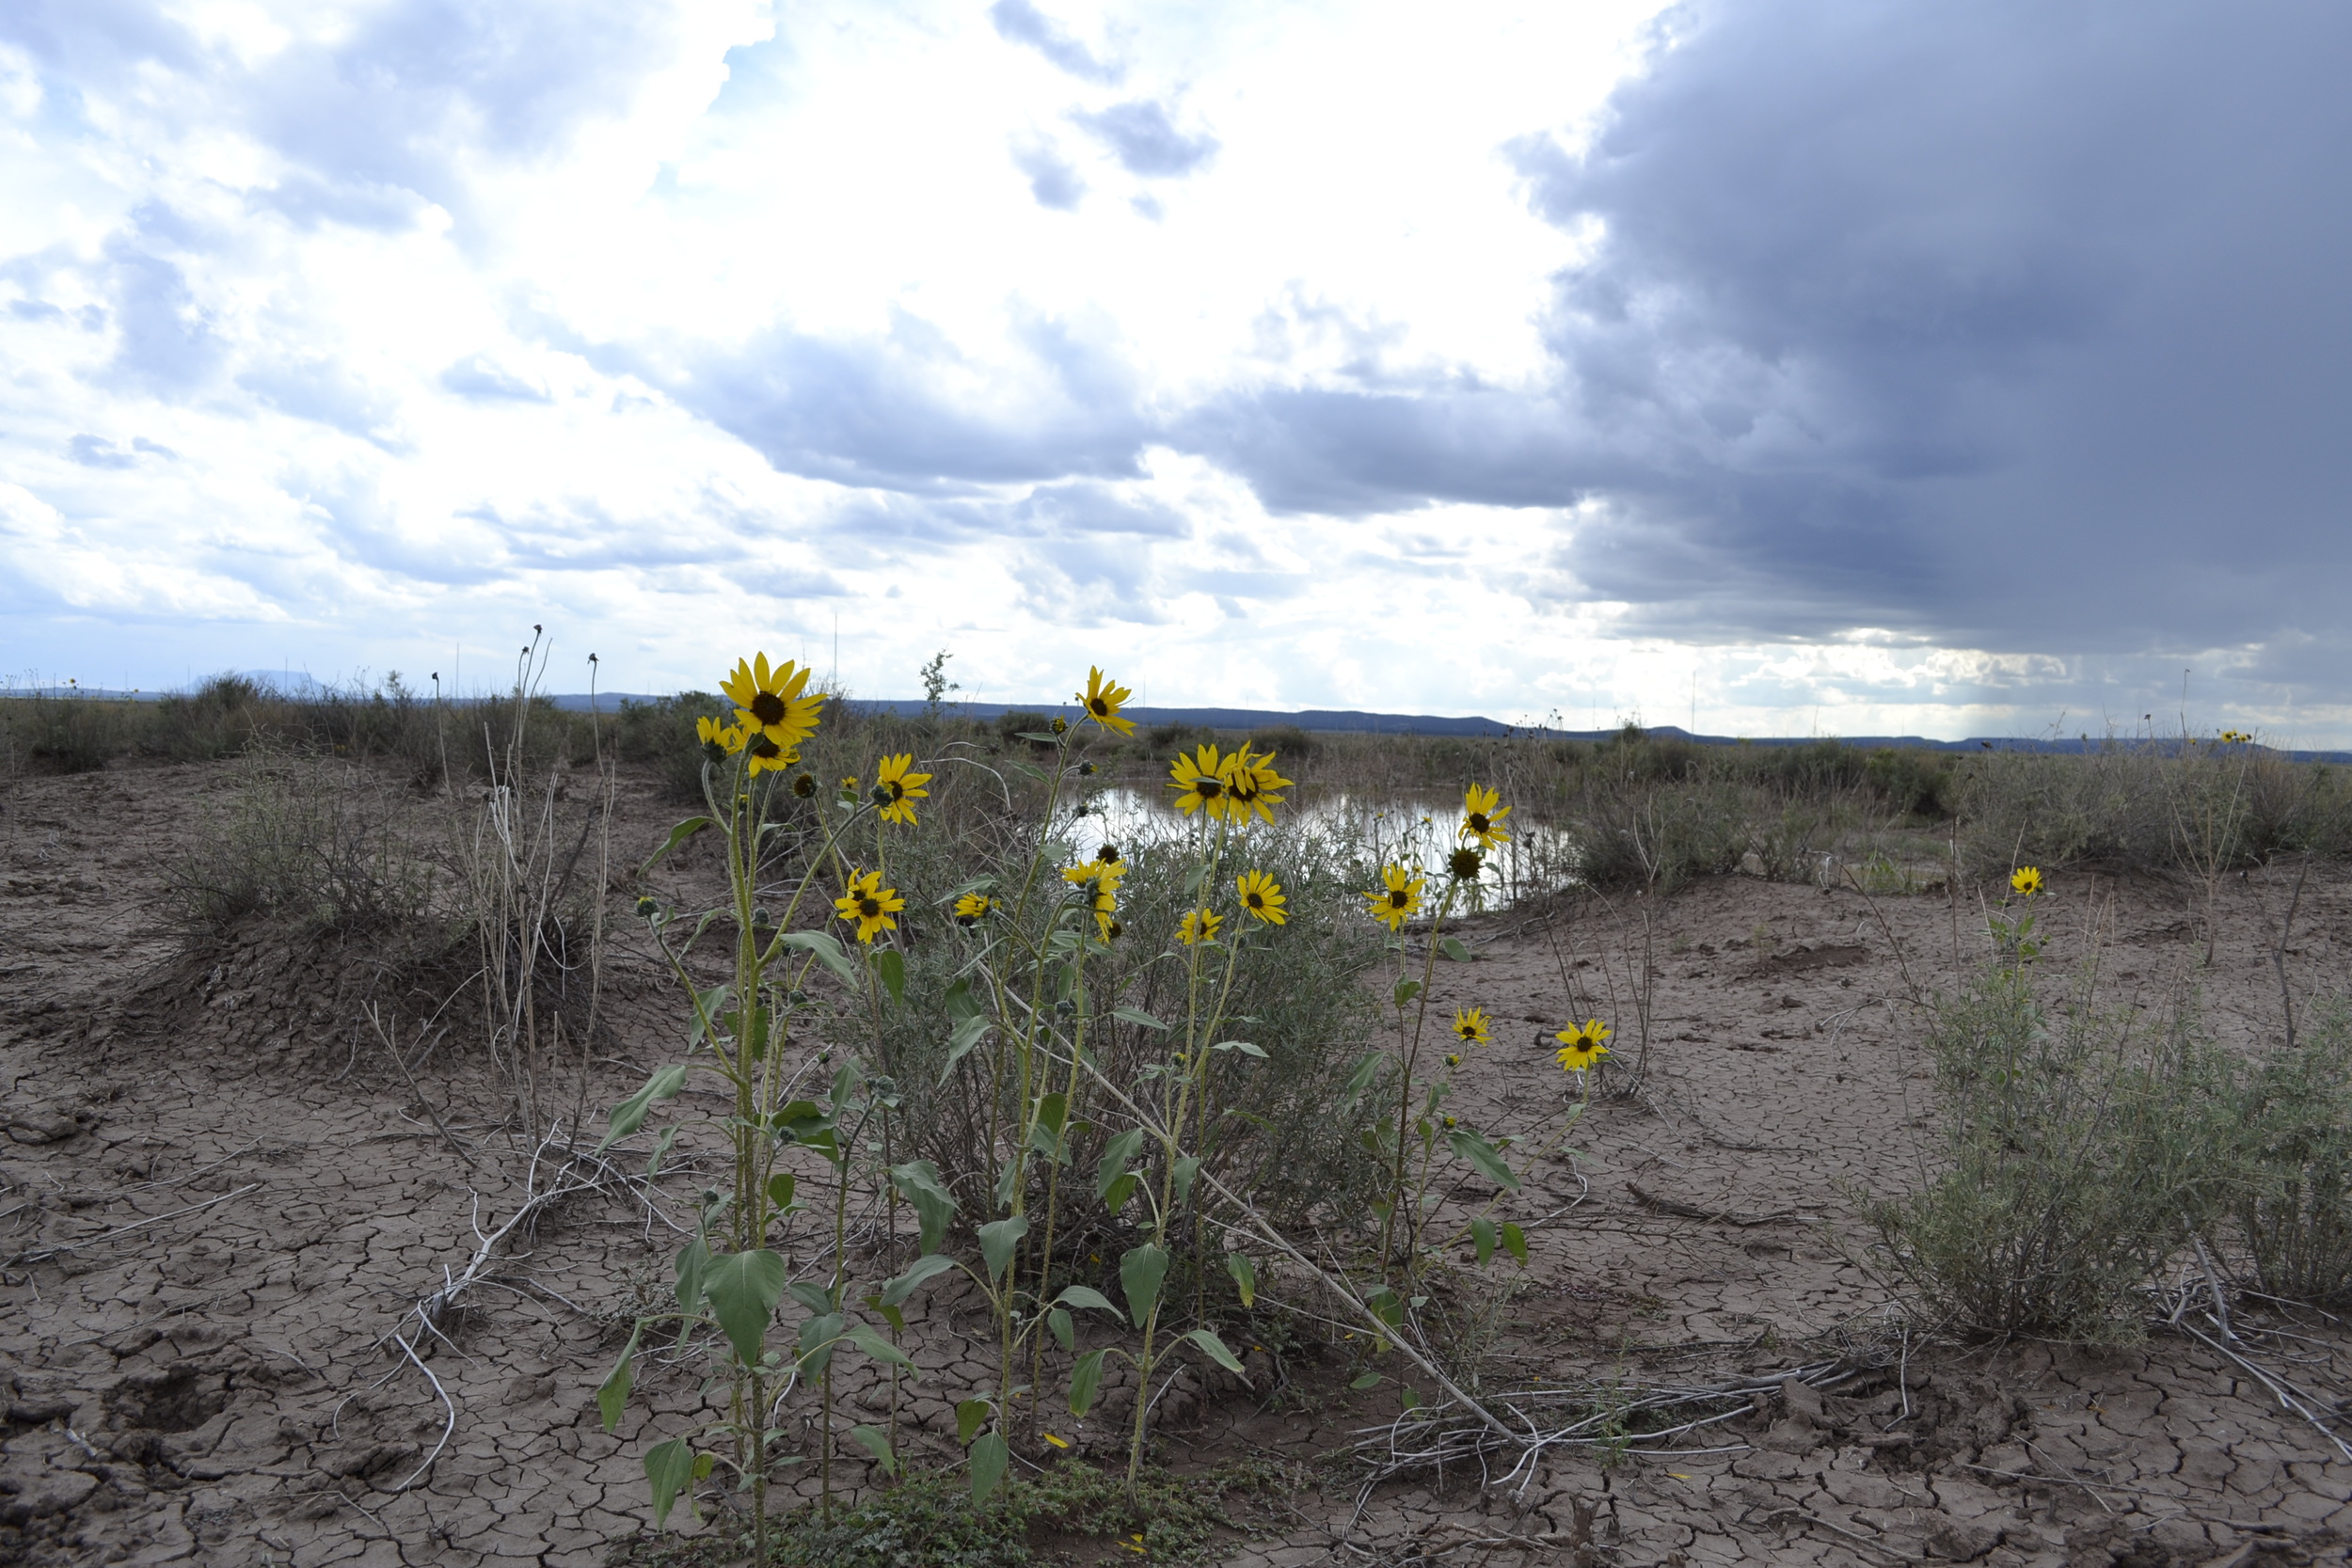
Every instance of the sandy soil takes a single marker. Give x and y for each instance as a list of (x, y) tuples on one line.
[(219, 1203)]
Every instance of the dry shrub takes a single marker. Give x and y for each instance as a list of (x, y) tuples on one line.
[(2079, 1154), (2294, 1210)]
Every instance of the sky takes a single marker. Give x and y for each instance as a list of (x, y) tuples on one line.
[(1777, 367)]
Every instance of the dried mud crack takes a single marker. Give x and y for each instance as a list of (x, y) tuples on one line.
[(225, 1212)]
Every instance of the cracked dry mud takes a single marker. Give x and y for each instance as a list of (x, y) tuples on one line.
[(219, 1202)]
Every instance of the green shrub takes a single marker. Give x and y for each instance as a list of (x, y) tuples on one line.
[(2295, 1210), (2077, 1159)]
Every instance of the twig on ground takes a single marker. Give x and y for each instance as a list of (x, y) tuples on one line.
[(42, 1255)]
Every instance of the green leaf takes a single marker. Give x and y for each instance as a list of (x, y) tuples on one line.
[(1116, 1153), (679, 835), (891, 965), (780, 1189), (1137, 1017), (959, 1000), (1405, 991), (1243, 1046), (708, 1004), (1483, 1235), (879, 1348), (693, 1259), (1086, 1295), (1207, 1340), (819, 1335), (744, 1288), (670, 1468), (989, 1454), (1514, 1240), (1405, 1397), (1479, 1152), (816, 1297), (918, 1182), (752, 1032), (1452, 947), (660, 1150), (1065, 1333), (960, 1044), (1182, 1172), (971, 1414), (1366, 1070), (1370, 1380), (1243, 1276), (1122, 1189), (1045, 1131), (828, 951), (1085, 1378), (874, 1441), (1386, 1304), (998, 1239), (898, 1288), (1140, 1273), (629, 1115), (612, 1394)]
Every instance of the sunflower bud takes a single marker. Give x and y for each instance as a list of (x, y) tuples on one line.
[(880, 795), (647, 909), (1085, 770), (1465, 864), (804, 785), (1061, 726)]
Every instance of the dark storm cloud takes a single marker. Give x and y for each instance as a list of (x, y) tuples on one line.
[(2003, 323), (1146, 141), (1018, 22)]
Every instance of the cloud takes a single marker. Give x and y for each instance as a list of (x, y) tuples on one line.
[(1052, 180), (1996, 324), (96, 452), (1018, 22), (1146, 141), (908, 410), (478, 377)]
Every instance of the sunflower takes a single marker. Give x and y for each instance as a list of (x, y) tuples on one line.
[(1399, 898), (770, 701), (766, 756), (1102, 699), (727, 737), (1105, 902), (1262, 895), (869, 904), (1199, 925), (1106, 870), (905, 788), (1250, 783), (1469, 1025), (1200, 781), (1581, 1045), (2026, 881), (973, 908), (1481, 820)]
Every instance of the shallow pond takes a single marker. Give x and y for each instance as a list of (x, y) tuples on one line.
[(1357, 835)]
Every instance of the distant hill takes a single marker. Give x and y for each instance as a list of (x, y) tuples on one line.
[(1321, 720)]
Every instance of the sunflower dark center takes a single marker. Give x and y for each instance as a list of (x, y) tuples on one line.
[(1098, 707), (1478, 822), (1398, 899), (1209, 788), (1255, 901), (768, 707), (898, 790), (869, 907), (763, 747)]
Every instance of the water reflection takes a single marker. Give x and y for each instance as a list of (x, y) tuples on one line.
[(1355, 834)]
